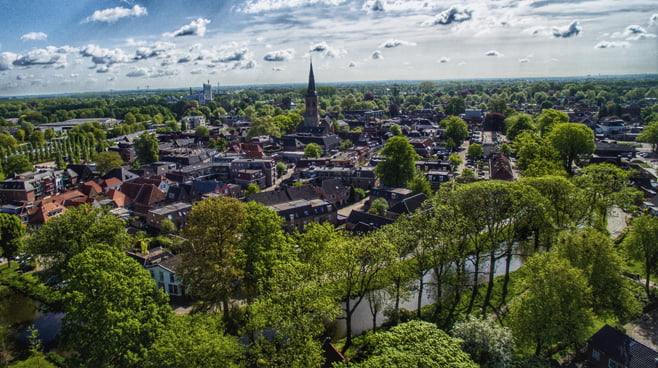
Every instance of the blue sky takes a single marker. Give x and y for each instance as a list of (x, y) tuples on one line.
[(61, 46)]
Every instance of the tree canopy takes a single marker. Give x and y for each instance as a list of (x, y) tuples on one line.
[(572, 140), (108, 160), (146, 148), (400, 164), (312, 150)]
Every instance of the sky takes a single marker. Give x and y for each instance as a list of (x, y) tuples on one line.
[(67, 46)]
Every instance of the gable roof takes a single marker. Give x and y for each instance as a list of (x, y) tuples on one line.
[(409, 204), (622, 348)]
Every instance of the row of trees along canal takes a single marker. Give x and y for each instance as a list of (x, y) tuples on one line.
[(277, 290)]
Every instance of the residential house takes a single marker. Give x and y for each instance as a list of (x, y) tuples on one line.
[(176, 212), (501, 168), (145, 197), (611, 348), (334, 192), (162, 266), (267, 166), (362, 222), (32, 186)]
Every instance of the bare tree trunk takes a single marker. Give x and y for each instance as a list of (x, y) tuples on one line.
[(490, 285), (476, 274)]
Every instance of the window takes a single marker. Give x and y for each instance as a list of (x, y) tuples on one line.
[(596, 354), (173, 289), (161, 276), (172, 277)]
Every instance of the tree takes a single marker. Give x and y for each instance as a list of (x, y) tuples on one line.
[(400, 164), (194, 341), (312, 150), (252, 188), (280, 168), (65, 236), (130, 118), (379, 206), (641, 244), (113, 310), (414, 344), (108, 160), (420, 184), (210, 264), (395, 129), (263, 247), (549, 118), (455, 106), (489, 345), (345, 145), (263, 125), (518, 123), (552, 307), (11, 235), (201, 131), (475, 150), (219, 144), (8, 142), (572, 140), (146, 148), (650, 135), (455, 160), (532, 149), (455, 129), (167, 227), (17, 164), (594, 253), (37, 138)]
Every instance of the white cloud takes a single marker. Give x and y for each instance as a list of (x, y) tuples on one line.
[(653, 20), (395, 43), (46, 56), (524, 61), (263, 6), (612, 45), (376, 55), (280, 55), (444, 60), (493, 53), (449, 16), (34, 36), (151, 73), (278, 69), (352, 64), (101, 56), (634, 33), (195, 28), (398, 5), (157, 49), (325, 50), (573, 29), (7, 60), (112, 15), (231, 56), (196, 71)]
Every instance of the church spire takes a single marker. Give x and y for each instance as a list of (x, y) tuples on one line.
[(311, 83)]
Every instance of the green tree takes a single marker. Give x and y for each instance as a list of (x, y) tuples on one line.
[(312, 150), (252, 188), (395, 129), (167, 227), (17, 164), (37, 138), (280, 168), (201, 131), (264, 246), (400, 164), (345, 145), (489, 345), (532, 149), (455, 129), (130, 118), (379, 206), (108, 160), (594, 253), (650, 135), (475, 150), (146, 148), (414, 344), (113, 310), (194, 341), (549, 118), (641, 244), (65, 236), (455, 106), (517, 123), (420, 184), (210, 266), (8, 142), (455, 160), (263, 125), (11, 235), (552, 307), (572, 140)]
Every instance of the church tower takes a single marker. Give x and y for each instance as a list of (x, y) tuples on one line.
[(312, 114)]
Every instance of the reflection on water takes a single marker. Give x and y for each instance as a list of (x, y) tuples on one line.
[(18, 313)]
